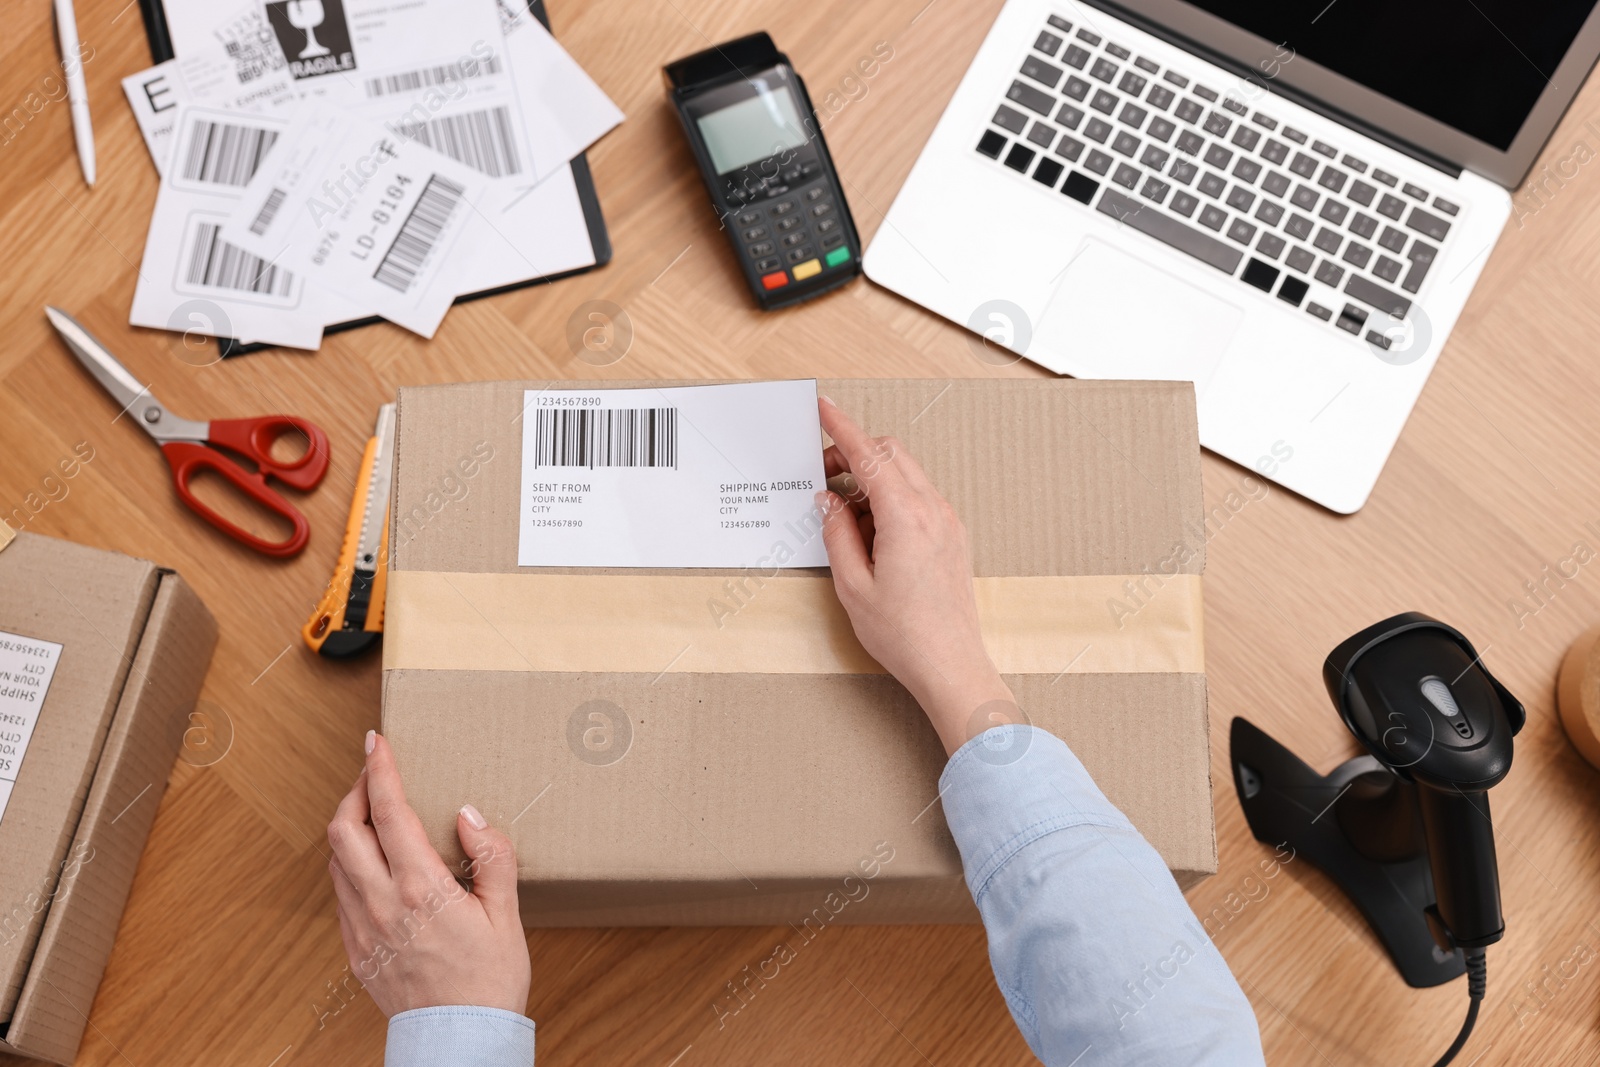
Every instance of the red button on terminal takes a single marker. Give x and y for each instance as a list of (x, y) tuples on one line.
[(775, 279)]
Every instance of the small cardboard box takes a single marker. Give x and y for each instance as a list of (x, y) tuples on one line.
[(769, 771), (134, 646)]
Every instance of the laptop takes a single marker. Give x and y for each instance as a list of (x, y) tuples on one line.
[(1287, 205)]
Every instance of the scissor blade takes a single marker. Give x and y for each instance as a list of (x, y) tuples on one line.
[(113, 376)]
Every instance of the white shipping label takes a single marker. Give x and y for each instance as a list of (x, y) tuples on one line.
[(26, 667), (695, 476)]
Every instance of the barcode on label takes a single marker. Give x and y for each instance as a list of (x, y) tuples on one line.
[(268, 212), (223, 154), (419, 233), (483, 140), (618, 437), (412, 80), (215, 263)]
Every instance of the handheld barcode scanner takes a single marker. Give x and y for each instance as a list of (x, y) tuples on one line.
[(1405, 830)]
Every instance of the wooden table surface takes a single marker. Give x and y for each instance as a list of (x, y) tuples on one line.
[(229, 952)]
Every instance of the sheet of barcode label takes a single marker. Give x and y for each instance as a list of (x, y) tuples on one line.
[(363, 213), (613, 437)]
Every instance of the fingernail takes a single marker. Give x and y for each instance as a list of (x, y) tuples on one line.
[(821, 500), (475, 818), (826, 399), (372, 741)]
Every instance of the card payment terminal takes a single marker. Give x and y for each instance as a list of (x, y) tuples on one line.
[(771, 180)]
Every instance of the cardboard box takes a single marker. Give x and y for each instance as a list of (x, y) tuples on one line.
[(769, 773), (134, 646)]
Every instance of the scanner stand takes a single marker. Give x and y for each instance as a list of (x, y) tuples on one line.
[(1361, 826)]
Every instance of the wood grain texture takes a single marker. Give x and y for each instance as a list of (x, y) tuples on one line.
[(229, 952)]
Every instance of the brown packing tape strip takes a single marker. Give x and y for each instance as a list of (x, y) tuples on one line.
[(443, 621)]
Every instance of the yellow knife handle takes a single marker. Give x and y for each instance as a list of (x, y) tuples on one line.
[(328, 617)]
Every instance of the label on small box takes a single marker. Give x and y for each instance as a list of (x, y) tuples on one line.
[(26, 667)]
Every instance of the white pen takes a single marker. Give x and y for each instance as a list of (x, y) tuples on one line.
[(77, 88)]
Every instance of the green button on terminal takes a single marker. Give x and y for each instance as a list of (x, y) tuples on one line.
[(838, 255)]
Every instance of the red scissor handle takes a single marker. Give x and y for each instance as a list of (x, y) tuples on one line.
[(186, 459), (254, 438)]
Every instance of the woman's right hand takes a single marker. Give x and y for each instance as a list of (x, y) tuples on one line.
[(415, 937), (903, 572)]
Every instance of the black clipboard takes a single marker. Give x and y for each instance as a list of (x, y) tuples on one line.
[(155, 28)]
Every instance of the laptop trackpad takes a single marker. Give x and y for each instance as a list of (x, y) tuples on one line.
[(1116, 316)]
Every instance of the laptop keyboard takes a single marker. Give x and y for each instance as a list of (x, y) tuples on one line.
[(1227, 184)]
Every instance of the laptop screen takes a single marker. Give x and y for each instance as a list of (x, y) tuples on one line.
[(1477, 66)]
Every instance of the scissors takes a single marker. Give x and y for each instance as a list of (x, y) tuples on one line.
[(192, 447)]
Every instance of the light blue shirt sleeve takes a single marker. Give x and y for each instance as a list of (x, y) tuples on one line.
[(1094, 948), (459, 1036)]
